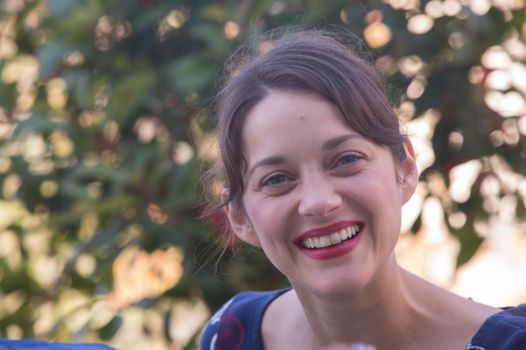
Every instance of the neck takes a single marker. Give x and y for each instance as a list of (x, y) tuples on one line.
[(380, 314)]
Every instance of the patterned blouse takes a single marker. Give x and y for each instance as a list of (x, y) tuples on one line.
[(237, 326)]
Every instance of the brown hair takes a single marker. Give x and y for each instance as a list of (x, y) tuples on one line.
[(312, 61)]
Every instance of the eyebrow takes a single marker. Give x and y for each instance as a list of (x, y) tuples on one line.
[(327, 145), (266, 161), (335, 142)]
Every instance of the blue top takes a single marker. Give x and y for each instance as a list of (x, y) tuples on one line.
[(6, 344), (505, 330), (237, 326)]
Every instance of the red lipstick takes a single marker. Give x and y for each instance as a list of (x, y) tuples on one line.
[(332, 251)]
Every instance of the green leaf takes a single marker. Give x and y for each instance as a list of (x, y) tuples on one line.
[(8, 95), (62, 7), (130, 92), (51, 57), (79, 85), (191, 73), (469, 240), (37, 123), (108, 331)]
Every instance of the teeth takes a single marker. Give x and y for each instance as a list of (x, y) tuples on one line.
[(332, 239), (325, 241), (335, 238)]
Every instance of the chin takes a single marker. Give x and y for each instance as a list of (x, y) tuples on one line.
[(333, 287)]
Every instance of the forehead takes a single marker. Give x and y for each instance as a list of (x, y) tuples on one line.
[(290, 120), (292, 109)]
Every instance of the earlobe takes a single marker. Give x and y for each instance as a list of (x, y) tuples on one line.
[(408, 172), (241, 225)]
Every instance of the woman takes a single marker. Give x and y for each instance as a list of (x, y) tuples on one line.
[(316, 173)]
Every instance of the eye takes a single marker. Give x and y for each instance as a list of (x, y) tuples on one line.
[(276, 184), (347, 159), (275, 180)]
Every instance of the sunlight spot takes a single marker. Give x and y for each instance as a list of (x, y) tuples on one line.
[(410, 65), (62, 145), (188, 317), (386, 64), (343, 16), (377, 34), (457, 219), (522, 125), (490, 186), (278, 7), (420, 24), (146, 128), (517, 74), (406, 111), (498, 80), (231, 30), (74, 59), (456, 140), (462, 178), (183, 153), (434, 9), (416, 87), (85, 265), (452, 7), (479, 7), (496, 57), (476, 75), (48, 188), (403, 4), (420, 131)]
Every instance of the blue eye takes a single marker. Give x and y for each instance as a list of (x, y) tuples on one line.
[(275, 180), (347, 159)]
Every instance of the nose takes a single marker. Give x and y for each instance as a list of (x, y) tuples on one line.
[(318, 197)]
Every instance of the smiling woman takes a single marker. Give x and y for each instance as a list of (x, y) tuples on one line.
[(316, 173)]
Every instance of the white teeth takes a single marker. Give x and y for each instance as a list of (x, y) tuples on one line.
[(332, 239), (335, 238), (325, 241)]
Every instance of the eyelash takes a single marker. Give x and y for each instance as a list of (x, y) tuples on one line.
[(354, 157), (266, 182)]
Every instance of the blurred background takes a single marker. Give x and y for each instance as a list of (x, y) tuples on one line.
[(106, 122)]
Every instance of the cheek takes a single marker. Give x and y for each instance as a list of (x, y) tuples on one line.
[(378, 194), (270, 217)]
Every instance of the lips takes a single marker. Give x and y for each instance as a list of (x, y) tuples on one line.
[(330, 241)]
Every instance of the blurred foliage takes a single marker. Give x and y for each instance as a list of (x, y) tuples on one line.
[(103, 129)]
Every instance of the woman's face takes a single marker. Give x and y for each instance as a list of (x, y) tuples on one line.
[(323, 202)]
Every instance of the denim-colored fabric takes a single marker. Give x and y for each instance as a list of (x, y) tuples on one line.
[(7, 344), (237, 325), (505, 330)]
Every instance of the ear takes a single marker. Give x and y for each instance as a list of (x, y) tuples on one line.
[(241, 225), (407, 172)]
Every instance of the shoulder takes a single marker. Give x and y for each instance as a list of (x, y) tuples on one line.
[(503, 330), (43, 345), (236, 325)]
